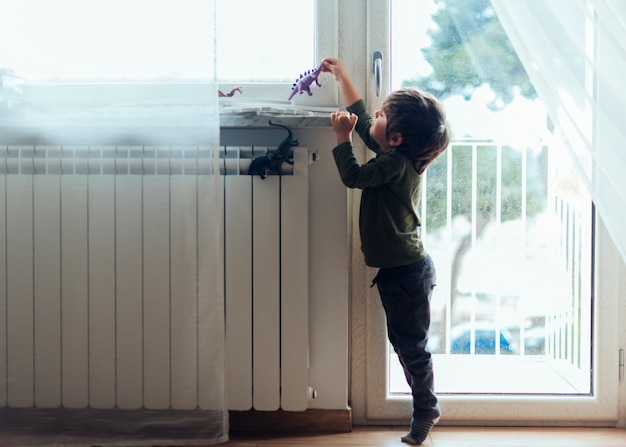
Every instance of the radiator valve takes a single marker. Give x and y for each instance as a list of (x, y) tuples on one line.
[(313, 156)]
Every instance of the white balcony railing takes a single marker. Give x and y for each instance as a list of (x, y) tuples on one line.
[(510, 233)]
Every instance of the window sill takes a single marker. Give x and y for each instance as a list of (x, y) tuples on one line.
[(261, 120), (257, 113)]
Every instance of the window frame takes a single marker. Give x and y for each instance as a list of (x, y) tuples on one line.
[(369, 350)]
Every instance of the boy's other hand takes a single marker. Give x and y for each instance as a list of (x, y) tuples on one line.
[(343, 124)]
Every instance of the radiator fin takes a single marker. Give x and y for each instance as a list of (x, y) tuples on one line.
[(104, 278), (266, 253)]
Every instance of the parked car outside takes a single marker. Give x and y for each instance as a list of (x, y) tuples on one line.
[(484, 339)]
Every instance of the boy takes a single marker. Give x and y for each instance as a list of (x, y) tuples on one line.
[(407, 134)]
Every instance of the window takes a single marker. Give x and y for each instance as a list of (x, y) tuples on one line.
[(264, 47), (106, 40), (113, 59), (512, 248), (264, 41), (121, 41), (107, 71), (510, 230)]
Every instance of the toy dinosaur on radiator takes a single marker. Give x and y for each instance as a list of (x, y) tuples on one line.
[(305, 82), (272, 161)]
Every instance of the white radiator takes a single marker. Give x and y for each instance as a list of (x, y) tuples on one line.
[(96, 266), (266, 264)]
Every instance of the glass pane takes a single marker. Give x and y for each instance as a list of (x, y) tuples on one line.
[(504, 218), (106, 40), (272, 40), (103, 70)]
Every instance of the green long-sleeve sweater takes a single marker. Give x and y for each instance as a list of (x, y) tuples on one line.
[(388, 218)]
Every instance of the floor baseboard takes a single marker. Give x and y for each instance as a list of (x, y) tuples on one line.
[(309, 421)]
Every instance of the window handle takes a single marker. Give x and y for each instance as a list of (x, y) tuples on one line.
[(377, 68)]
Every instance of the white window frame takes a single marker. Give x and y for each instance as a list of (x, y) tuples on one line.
[(369, 348)]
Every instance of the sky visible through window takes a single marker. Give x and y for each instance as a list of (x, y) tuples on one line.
[(266, 40), (409, 21), (523, 119)]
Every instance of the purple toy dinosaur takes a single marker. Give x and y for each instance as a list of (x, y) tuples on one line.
[(306, 80)]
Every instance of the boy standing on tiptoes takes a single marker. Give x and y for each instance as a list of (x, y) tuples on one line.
[(407, 134)]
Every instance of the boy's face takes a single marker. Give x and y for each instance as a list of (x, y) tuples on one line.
[(378, 130)]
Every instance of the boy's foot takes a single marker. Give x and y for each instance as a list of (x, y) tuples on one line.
[(419, 432), (410, 439)]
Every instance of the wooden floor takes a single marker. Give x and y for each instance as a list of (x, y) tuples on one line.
[(377, 437), (449, 437)]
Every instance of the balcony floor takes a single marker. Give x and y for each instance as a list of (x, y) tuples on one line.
[(493, 375)]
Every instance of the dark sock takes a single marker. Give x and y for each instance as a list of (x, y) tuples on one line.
[(419, 432)]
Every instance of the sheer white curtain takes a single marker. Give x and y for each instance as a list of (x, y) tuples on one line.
[(111, 304), (575, 54)]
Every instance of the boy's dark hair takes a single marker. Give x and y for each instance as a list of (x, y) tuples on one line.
[(419, 117)]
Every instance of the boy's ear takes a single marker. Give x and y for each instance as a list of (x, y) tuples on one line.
[(395, 139)]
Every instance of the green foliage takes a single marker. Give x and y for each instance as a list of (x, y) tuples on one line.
[(470, 48)]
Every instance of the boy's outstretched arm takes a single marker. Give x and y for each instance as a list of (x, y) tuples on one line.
[(348, 92)]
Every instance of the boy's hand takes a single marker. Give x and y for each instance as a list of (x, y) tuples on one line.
[(333, 66), (343, 124)]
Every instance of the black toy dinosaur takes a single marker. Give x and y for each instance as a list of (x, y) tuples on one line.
[(271, 162)]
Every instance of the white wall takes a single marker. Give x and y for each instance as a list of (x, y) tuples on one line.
[(620, 296)]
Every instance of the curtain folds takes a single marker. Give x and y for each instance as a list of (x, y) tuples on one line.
[(574, 52), (112, 300)]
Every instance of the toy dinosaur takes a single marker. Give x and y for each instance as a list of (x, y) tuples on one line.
[(272, 161), (305, 82), (231, 93)]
